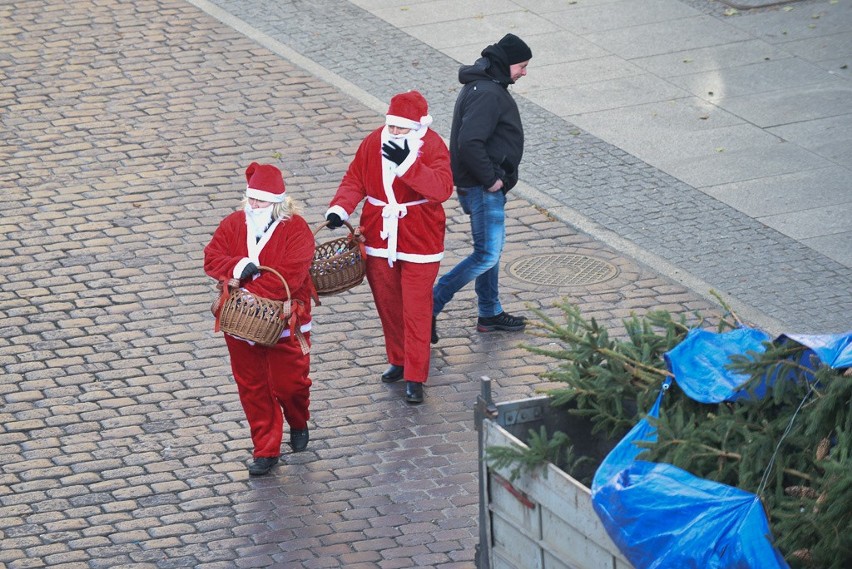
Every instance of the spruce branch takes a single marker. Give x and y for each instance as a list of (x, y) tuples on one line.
[(540, 451)]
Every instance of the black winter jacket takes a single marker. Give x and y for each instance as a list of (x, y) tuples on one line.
[(487, 137)]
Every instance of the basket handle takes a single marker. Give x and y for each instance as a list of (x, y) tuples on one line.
[(284, 282), (325, 224)]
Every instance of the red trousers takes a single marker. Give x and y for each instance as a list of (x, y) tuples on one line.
[(274, 386), (403, 295)]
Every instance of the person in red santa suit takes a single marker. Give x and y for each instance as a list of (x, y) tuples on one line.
[(272, 381), (403, 171)]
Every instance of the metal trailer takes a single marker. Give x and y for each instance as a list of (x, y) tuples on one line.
[(542, 520)]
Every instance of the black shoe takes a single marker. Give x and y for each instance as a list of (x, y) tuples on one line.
[(393, 373), (413, 392), (434, 338), (503, 321), (262, 465), (299, 439)]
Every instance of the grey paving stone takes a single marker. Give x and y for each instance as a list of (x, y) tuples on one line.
[(646, 40), (783, 194)]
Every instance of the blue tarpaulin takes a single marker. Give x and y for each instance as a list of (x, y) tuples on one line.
[(834, 350), (661, 516), (698, 362)]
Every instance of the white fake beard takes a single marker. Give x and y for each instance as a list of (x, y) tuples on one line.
[(413, 136), (258, 219)]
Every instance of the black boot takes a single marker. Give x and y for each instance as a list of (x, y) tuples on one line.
[(392, 374), (413, 392), (299, 439), (262, 465)]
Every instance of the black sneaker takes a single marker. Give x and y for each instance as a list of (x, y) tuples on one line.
[(503, 321), (299, 439), (262, 465)]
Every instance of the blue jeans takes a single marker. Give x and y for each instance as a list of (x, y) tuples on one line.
[(488, 228)]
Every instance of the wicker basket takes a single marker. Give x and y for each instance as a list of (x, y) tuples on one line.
[(338, 265), (253, 317)]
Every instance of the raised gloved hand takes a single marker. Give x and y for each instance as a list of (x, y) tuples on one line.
[(394, 152), (334, 221), (249, 271)]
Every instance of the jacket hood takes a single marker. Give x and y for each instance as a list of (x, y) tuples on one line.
[(492, 66)]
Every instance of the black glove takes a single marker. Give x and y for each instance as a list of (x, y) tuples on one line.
[(334, 221), (393, 152), (249, 271)]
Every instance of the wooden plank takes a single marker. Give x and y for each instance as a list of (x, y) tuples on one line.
[(515, 548), (509, 506)]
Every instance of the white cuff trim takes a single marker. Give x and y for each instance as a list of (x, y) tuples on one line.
[(339, 211), (238, 268)]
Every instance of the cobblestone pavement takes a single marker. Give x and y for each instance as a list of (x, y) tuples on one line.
[(127, 127)]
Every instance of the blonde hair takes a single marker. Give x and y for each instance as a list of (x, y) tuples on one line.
[(281, 210)]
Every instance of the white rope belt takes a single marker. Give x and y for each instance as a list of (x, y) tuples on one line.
[(391, 214)]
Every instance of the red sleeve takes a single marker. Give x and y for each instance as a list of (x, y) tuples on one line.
[(353, 187), (226, 248), (431, 175)]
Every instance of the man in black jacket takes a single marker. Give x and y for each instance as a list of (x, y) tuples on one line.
[(486, 145)]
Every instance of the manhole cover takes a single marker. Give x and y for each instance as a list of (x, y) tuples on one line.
[(562, 270)]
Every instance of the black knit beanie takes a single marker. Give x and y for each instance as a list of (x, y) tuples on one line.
[(515, 48)]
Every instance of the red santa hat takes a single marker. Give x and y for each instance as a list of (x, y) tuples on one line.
[(408, 110), (265, 183)]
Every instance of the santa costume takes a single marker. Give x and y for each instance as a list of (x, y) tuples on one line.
[(273, 381), (405, 178)]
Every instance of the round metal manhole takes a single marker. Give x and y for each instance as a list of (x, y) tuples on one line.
[(562, 270)]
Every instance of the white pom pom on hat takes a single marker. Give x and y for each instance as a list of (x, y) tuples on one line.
[(408, 110), (265, 182)]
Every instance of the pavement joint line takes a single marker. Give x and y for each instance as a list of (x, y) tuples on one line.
[(534, 196)]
